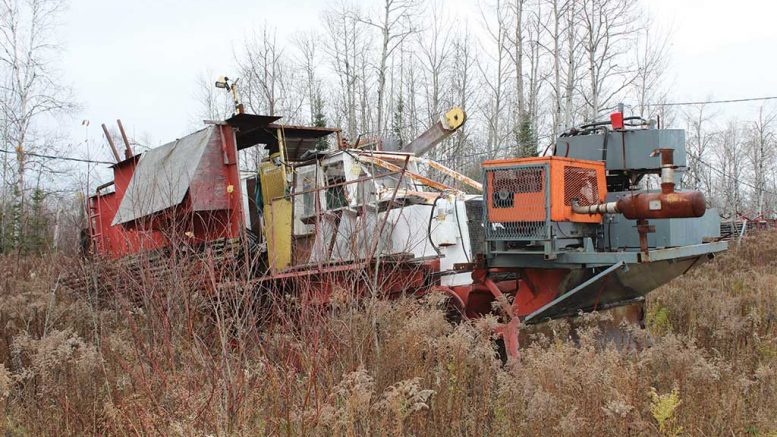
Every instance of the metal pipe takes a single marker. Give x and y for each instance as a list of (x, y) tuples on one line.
[(127, 149), (601, 208), (666, 204), (103, 186), (667, 168), (391, 167), (643, 229), (431, 219), (686, 204), (110, 143), (434, 164), (449, 122), (608, 122)]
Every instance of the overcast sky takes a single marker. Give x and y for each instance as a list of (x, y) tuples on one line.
[(139, 60)]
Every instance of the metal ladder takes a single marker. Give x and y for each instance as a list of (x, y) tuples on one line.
[(95, 226)]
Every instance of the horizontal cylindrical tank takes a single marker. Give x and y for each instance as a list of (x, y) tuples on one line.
[(683, 204), (666, 204)]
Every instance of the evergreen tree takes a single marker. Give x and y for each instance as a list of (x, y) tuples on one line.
[(396, 123), (36, 238), (526, 143), (319, 120)]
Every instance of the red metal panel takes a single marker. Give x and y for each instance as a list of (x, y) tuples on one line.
[(232, 171), (208, 189), (211, 210), (122, 174), (116, 241), (616, 119), (219, 163)]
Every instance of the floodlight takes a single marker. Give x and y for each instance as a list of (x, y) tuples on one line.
[(223, 82)]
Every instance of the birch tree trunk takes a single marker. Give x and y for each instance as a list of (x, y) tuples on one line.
[(394, 26), (27, 49)]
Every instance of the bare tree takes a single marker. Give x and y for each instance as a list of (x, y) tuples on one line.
[(30, 89), (495, 77), (698, 143), (403, 90), (365, 87), (730, 165), (213, 103), (572, 60), (435, 50), (607, 29), (760, 154), (651, 59), (554, 28), (463, 92), (267, 80), (527, 133), (395, 25), (346, 46), (434, 53), (308, 46), (516, 39), (524, 43)]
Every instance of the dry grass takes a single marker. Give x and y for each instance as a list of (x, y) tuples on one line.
[(166, 356)]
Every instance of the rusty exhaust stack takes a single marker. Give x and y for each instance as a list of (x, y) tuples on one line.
[(127, 149), (643, 206), (111, 143)]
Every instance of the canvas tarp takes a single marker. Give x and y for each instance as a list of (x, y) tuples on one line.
[(162, 176)]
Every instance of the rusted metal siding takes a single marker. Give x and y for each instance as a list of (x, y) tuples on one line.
[(209, 183), (210, 209)]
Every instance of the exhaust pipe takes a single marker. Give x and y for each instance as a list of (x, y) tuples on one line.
[(666, 204)]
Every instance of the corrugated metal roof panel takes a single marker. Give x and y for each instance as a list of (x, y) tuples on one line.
[(163, 176)]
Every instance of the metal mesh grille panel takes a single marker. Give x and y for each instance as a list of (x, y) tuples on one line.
[(581, 184), (474, 208), (518, 203), (517, 231)]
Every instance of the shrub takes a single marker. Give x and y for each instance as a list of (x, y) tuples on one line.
[(176, 353)]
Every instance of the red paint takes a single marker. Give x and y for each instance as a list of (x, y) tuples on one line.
[(534, 289), (616, 118), (208, 212), (674, 204), (537, 288), (117, 241)]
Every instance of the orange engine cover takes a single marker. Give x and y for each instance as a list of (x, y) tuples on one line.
[(525, 189)]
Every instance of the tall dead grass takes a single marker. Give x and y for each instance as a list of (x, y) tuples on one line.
[(173, 354)]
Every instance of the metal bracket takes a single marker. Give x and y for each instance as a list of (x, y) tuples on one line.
[(549, 248), (568, 294)]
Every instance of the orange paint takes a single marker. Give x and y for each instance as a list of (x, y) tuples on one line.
[(568, 179)]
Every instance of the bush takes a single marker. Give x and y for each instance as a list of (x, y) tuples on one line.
[(175, 354)]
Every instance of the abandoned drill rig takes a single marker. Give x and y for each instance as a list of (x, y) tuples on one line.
[(548, 237)]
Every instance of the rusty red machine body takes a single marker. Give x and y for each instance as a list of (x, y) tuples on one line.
[(550, 236), (208, 208)]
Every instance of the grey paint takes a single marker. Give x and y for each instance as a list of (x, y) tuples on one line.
[(620, 233), (163, 176), (639, 143)]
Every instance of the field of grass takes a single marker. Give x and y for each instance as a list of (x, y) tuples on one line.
[(172, 359)]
